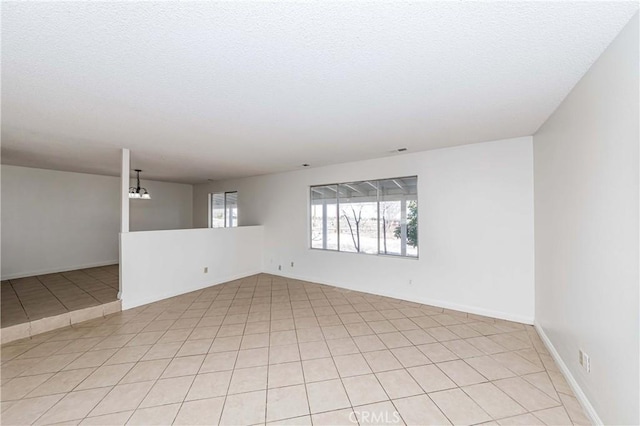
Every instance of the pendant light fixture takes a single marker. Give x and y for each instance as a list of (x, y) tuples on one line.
[(137, 192)]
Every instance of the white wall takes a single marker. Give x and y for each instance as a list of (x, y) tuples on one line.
[(161, 264), (170, 207), (475, 227), (586, 231), (56, 221)]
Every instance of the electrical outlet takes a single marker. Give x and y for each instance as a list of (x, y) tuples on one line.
[(279, 267), (206, 269), (410, 282), (585, 360), (292, 264)]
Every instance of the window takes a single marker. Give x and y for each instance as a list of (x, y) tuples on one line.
[(324, 217), (374, 216), (223, 208)]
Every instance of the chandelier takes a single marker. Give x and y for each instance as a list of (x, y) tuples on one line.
[(137, 192)]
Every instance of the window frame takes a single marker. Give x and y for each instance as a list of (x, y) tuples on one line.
[(224, 209), (378, 201)]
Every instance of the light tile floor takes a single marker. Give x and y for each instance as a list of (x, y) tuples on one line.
[(32, 298), (268, 350)]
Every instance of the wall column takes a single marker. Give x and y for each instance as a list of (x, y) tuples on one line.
[(124, 207), (124, 191)]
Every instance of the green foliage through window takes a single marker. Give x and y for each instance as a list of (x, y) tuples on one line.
[(412, 225)]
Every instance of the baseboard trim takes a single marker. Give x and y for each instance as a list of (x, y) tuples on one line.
[(128, 304), (56, 270), (425, 301), (575, 387)]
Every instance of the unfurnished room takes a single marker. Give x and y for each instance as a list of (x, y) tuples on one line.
[(320, 213)]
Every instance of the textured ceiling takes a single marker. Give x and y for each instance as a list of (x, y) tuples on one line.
[(204, 90)]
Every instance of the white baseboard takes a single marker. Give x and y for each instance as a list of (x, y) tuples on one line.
[(129, 304), (575, 387), (45, 271), (425, 301)]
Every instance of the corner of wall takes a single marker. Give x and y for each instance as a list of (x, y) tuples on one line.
[(575, 387)]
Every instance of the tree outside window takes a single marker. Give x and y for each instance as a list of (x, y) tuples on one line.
[(376, 217)]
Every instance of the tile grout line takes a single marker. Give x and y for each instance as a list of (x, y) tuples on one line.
[(88, 293), (19, 300), (117, 383), (95, 369), (235, 361), (194, 377)]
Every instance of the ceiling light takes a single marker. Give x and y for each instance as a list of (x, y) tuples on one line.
[(137, 192)]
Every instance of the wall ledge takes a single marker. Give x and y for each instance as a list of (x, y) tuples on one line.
[(31, 329)]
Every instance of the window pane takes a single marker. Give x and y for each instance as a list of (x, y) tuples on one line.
[(398, 221), (217, 210), (324, 223), (358, 217), (231, 204), (376, 216)]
